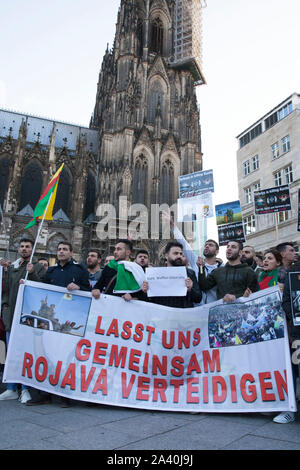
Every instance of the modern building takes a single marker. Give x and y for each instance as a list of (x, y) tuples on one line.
[(269, 156), (143, 134)]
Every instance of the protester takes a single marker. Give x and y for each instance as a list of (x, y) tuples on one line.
[(289, 256), (294, 336), (249, 257), (174, 257), (142, 258), (15, 273), (118, 274), (74, 276), (67, 272), (93, 262), (44, 262), (233, 280), (270, 276)]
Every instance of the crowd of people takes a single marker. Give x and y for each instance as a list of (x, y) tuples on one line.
[(208, 279)]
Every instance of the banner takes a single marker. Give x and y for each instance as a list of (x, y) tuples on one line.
[(231, 232), (294, 278), (277, 199), (195, 184), (228, 213), (195, 208), (215, 358)]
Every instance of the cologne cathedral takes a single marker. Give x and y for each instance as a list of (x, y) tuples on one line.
[(143, 134)]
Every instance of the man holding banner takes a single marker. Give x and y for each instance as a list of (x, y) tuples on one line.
[(16, 272)]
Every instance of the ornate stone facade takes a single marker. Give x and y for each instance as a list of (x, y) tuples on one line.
[(143, 134)]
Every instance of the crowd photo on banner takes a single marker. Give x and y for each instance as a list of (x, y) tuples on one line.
[(170, 313)]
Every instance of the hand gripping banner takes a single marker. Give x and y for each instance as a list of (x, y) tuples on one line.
[(214, 358)]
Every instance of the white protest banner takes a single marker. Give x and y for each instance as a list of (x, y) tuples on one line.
[(137, 354), (197, 207), (166, 282)]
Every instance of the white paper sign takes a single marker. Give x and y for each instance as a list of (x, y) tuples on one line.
[(167, 282)]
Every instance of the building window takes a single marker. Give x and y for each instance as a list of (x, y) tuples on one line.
[(283, 216), (288, 172), (249, 224), (140, 180), (256, 186), (285, 111), (275, 150), (248, 195), (90, 197), (277, 178), (167, 183), (286, 144), (33, 179), (4, 173), (157, 36), (247, 168), (255, 162)]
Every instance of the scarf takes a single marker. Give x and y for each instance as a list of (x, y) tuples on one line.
[(268, 279), (130, 276)]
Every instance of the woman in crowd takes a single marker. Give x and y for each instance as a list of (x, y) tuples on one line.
[(271, 276)]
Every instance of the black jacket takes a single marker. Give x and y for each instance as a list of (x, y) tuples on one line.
[(62, 276), (294, 331), (191, 298), (230, 280)]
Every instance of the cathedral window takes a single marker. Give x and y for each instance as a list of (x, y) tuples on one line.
[(157, 36), (62, 200), (4, 173), (167, 182), (140, 38), (90, 197), (140, 177), (31, 187)]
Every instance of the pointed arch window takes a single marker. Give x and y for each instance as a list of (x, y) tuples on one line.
[(62, 200), (4, 174), (167, 182), (140, 180), (90, 196), (140, 37), (157, 36), (31, 186)]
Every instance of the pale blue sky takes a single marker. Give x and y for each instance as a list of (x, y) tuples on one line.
[(51, 52)]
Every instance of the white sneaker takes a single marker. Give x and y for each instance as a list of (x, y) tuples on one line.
[(284, 417), (25, 396), (9, 395)]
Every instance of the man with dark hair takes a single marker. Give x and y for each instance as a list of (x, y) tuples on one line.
[(72, 275), (174, 257), (233, 280), (44, 262), (108, 279), (93, 266), (288, 254), (15, 273), (67, 272), (249, 257), (142, 258)]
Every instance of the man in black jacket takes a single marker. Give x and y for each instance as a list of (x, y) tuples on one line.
[(174, 257), (233, 280), (67, 273)]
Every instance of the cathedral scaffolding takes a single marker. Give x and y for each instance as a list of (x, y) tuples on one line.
[(188, 37)]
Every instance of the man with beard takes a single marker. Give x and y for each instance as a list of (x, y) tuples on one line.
[(233, 280), (248, 257), (14, 276), (210, 253), (174, 257), (93, 266), (142, 258)]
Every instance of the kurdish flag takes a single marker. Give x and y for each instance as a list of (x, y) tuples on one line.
[(42, 205), (130, 276)]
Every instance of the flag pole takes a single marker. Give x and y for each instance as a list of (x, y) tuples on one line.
[(38, 234), (5, 234)]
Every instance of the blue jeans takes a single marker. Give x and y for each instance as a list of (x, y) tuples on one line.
[(12, 386)]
